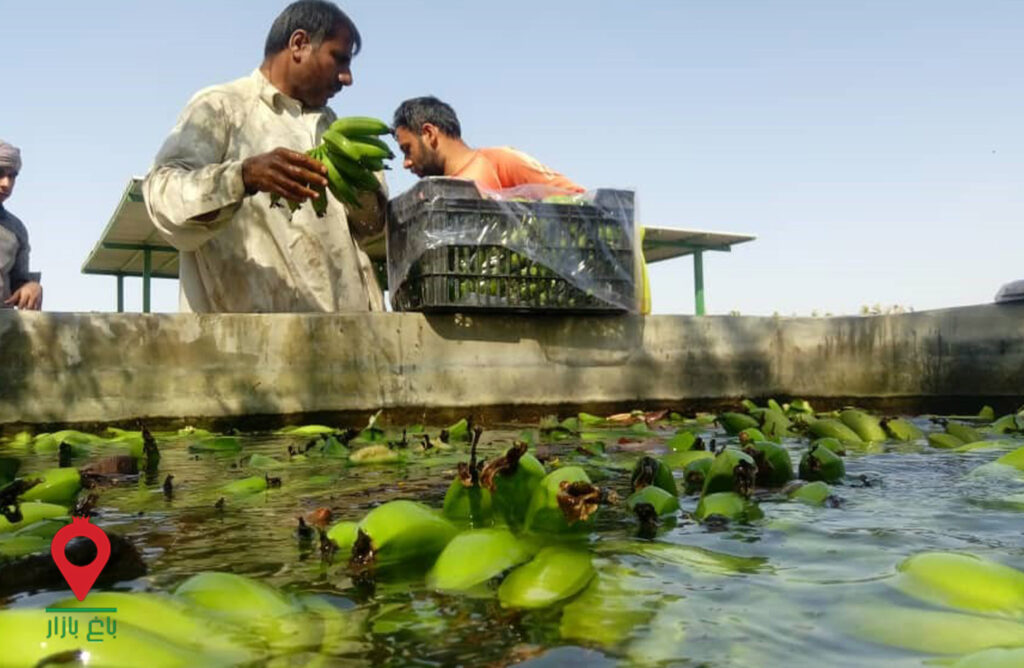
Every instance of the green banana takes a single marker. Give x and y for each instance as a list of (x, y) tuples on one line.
[(901, 430), (376, 143), (360, 177), (650, 471), (683, 441), (657, 498), (799, 406), (964, 582), (866, 426), (731, 471), (964, 432), (341, 190), (360, 125), (32, 512), (556, 573), (1008, 423), (343, 534), (23, 628), (696, 472), (927, 631), (565, 500), (400, 532), (474, 557), (357, 151), (251, 605), (774, 466), (833, 444), (55, 486), (829, 428), (374, 454), (815, 493), (774, 423), (944, 441), (726, 505), (820, 463), (468, 503), (750, 435), (512, 480), (169, 618), (251, 485), (734, 423)]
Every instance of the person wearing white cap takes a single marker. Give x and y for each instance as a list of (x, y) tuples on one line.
[(19, 288)]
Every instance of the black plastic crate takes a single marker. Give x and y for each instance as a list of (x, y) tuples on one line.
[(594, 240)]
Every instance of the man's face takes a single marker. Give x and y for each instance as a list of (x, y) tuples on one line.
[(7, 178), (420, 158), (323, 70)]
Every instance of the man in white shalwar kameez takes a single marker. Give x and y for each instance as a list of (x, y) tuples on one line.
[(235, 145)]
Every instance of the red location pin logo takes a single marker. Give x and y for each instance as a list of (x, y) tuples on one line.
[(80, 578)]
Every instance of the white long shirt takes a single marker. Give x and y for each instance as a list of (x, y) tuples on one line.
[(254, 258)]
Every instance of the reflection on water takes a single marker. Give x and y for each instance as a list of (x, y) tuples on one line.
[(768, 594)]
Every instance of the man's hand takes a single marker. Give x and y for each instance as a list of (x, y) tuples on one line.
[(29, 297), (285, 173)]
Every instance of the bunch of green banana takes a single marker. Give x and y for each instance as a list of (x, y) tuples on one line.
[(829, 428), (466, 499), (728, 506), (695, 472), (731, 471), (964, 582), (964, 432), (649, 471), (564, 501), (556, 573), (512, 480), (400, 532), (660, 501), (901, 430), (864, 425), (814, 493), (774, 467), (53, 485), (734, 423), (475, 557), (820, 463), (352, 151)]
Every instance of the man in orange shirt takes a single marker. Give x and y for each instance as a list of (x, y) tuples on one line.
[(428, 132)]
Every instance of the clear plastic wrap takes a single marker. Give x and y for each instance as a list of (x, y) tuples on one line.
[(452, 247)]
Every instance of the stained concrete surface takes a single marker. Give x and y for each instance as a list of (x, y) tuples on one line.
[(78, 368)]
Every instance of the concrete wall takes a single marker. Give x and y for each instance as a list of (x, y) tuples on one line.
[(83, 368)]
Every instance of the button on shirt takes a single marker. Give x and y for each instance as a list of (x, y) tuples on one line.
[(252, 257)]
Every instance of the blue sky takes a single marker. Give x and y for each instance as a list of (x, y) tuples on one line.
[(874, 148)]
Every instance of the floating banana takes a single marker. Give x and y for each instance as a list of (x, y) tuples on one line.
[(864, 425), (820, 463)]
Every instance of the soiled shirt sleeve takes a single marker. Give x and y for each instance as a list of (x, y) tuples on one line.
[(190, 177)]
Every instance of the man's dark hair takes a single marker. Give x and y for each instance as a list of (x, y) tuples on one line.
[(414, 113), (318, 18)]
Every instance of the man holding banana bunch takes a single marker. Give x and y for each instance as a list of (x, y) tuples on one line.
[(220, 184)]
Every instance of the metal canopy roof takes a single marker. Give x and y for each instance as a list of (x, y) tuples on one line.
[(121, 249), (664, 243)]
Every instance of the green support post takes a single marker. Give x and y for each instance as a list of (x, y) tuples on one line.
[(120, 293), (147, 261), (698, 281)]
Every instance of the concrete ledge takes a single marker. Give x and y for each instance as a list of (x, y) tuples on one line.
[(69, 368)]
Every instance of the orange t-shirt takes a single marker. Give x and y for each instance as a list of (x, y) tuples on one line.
[(505, 167)]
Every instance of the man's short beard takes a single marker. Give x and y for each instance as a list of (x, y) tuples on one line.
[(432, 164)]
